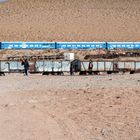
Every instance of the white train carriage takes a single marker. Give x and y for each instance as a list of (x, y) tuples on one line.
[(60, 67)]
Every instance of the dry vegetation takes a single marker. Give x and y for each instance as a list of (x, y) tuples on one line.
[(79, 54)]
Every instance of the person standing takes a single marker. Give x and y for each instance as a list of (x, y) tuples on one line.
[(71, 69), (90, 67), (25, 63)]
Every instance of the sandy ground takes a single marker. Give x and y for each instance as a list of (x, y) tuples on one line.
[(70, 20), (104, 107)]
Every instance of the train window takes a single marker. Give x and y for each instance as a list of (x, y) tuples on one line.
[(118, 45), (97, 46), (73, 46)]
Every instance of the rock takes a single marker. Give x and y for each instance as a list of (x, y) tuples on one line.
[(104, 131), (6, 105), (118, 97), (33, 106)]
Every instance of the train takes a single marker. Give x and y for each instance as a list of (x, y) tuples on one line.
[(61, 67), (71, 45)]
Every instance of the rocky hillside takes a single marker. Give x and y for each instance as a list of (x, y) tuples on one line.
[(70, 20)]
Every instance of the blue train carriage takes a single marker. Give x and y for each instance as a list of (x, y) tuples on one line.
[(136, 45), (81, 45), (123, 45), (27, 45)]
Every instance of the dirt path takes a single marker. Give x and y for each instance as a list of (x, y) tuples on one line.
[(70, 107)]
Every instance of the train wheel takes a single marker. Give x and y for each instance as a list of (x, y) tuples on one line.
[(132, 72), (109, 72)]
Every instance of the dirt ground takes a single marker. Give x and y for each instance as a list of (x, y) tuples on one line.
[(70, 20), (103, 107), (79, 54)]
